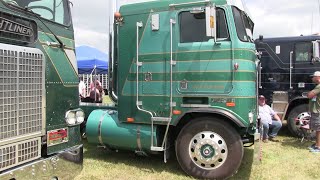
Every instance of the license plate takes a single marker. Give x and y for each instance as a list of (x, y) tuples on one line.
[(57, 136)]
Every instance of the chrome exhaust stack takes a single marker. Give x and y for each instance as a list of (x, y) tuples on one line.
[(111, 69)]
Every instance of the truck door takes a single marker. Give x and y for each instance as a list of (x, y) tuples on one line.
[(302, 66), (203, 65), (156, 50), (176, 57)]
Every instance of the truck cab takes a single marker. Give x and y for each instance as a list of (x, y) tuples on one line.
[(286, 66), (183, 77), (39, 109)]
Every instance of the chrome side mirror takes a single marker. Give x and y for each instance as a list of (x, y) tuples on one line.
[(211, 22), (316, 52)]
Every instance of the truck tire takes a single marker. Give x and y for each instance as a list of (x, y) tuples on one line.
[(299, 111), (209, 148)]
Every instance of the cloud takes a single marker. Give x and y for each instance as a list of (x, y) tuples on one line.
[(91, 38), (284, 17), (121, 2), (272, 18), (90, 19)]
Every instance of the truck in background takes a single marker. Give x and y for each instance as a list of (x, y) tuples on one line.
[(182, 75), (39, 104), (287, 63)]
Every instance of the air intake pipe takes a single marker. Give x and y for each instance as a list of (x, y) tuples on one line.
[(112, 76)]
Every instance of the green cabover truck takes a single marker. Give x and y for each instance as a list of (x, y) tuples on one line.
[(39, 104), (182, 75)]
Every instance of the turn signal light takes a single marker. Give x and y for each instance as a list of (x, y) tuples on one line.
[(176, 112), (130, 120), (230, 104)]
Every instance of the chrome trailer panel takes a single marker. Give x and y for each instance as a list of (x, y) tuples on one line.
[(64, 165)]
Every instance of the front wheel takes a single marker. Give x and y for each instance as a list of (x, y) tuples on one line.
[(209, 148)]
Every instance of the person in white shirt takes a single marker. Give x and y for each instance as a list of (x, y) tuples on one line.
[(82, 88), (271, 122)]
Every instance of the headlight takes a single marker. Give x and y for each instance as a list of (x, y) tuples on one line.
[(71, 118), (80, 116), (74, 117)]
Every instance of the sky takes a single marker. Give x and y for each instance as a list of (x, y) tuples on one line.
[(272, 18)]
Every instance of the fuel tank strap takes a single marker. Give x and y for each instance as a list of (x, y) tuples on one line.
[(99, 127)]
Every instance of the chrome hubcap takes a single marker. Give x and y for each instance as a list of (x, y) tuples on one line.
[(302, 119), (208, 150)]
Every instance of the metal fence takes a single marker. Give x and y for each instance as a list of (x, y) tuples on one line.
[(88, 78)]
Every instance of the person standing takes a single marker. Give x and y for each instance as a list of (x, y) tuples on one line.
[(314, 108), (96, 93), (271, 122), (95, 83)]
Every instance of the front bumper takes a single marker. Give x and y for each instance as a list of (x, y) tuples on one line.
[(64, 165)]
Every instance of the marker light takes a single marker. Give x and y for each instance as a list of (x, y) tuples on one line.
[(176, 112), (230, 104), (130, 120)]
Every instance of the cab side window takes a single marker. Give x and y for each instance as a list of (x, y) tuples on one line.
[(303, 52), (193, 26)]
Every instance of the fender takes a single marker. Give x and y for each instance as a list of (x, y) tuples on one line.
[(222, 112), (293, 103)]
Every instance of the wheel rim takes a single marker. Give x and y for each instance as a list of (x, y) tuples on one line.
[(208, 150), (303, 119)]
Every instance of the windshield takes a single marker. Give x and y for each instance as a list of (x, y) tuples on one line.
[(244, 25), (54, 10)]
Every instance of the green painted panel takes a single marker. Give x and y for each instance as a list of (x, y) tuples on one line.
[(126, 133), (46, 37), (207, 67), (221, 54), (194, 66), (62, 65), (159, 5), (194, 88), (197, 76), (157, 41), (61, 81)]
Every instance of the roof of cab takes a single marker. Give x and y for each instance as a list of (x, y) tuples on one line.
[(290, 39), (158, 5)]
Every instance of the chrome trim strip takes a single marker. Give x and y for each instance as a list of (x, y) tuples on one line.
[(290, 68), (194, 105), (139, 64), (161, 119)]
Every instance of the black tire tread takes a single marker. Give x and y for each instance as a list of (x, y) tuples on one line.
[(226, 131)]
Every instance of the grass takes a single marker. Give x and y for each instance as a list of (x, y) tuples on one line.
[(288, 159), (106, 99)]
